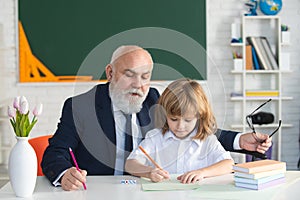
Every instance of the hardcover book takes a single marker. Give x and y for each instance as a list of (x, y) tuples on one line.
[(261, 186), (264, 57), (249, 62), (273, 93), (260, 174), (255, 59), (270, 54), (259, 166), (260, 51), (258, 181)]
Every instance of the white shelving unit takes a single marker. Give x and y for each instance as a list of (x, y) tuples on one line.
[(270, 27)]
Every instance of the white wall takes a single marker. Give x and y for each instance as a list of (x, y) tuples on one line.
[(220, 82)]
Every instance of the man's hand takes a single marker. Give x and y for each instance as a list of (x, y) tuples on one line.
[(73, 179), (255, 142)]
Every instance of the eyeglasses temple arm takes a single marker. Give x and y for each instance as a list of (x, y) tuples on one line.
[(275, 129), (260, 107)]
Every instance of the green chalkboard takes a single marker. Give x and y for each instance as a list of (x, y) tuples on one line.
[(77, 37)]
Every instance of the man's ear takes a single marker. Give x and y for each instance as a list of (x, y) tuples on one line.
[(108, 71)]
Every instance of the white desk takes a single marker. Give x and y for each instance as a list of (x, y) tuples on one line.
[(109, 187)]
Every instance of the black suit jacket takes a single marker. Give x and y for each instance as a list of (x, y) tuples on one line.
[(87, 126)]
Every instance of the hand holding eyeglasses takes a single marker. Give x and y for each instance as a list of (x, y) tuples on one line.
[(255, 143), (249, 121)]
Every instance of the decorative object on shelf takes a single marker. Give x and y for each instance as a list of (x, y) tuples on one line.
[(238, 64), (252, 4), (22, 163), (270, 7), (236, 33), (285, 34)]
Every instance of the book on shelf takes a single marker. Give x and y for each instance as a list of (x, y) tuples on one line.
[(259, 166), (256, 65), (262, 93), (263, 52), (259, 175), (270, 54), (264, 59), (258, 181), (262, 185), (249, 62)]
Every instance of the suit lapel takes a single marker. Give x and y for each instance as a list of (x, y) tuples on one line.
[(104, 112), (106, 120)]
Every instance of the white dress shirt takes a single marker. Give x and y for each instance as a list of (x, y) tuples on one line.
[(120, 125), (178, 156)]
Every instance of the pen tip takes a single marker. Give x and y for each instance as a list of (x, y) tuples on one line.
[(70, 149)]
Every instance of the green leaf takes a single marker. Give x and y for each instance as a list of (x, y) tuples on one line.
[(31, 126), (13, 124)]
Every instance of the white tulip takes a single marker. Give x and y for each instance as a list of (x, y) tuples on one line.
[(11, 112), (24, 107), (17, 103), (38, 110)]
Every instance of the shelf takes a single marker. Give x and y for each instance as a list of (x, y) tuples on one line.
[(236, 44), (240, 126), (262, 26), (260, 98), (260, 71), (268, 17)]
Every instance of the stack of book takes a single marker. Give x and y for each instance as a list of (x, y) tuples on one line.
[(260, 174), (262, 55)]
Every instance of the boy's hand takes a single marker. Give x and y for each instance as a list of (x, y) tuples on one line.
[(157, 175), (190, 177)]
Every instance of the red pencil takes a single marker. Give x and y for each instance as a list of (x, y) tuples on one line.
[(76, 165)]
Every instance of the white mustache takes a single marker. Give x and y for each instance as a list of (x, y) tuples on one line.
[(140, 93)]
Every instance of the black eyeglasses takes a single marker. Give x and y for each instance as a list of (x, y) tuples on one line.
[(250, 123)]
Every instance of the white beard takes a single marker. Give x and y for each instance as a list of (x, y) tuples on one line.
[(123, 99)]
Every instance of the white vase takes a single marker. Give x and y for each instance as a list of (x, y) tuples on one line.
[(22, 168)]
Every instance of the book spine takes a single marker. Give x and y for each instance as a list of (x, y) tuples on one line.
[(258, 181), (255, 60), (262, 93), (266, 168), (252, 41), (261, 186), (260, 174), (264, 57), (269, 52), (254, 44), (249, 62)]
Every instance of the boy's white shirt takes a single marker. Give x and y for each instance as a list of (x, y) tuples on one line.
[(180, 155)]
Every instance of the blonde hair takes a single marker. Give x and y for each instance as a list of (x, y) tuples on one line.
[(183, 96)]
